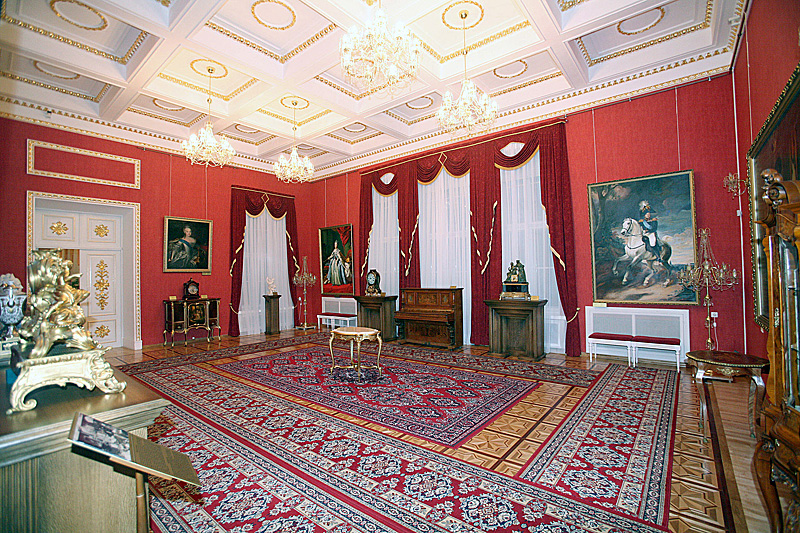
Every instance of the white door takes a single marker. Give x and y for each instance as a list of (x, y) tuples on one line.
[(101, 277)]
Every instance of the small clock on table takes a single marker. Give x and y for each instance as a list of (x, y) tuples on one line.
[(191, 290)]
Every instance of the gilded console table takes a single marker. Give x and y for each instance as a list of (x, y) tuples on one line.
[(182, 315)]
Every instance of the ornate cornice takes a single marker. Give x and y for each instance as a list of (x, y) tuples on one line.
[(280, 59), (61, 90)]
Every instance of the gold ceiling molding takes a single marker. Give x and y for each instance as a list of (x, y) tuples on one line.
[(302, 122), (103, 22), (321, 152), (460, 2), (270, 26), (662, 12), (363, 127), (32, 144), (348, 92), (41, 31), (738, 13), (40, 69), (430, 103), (203, 90), (137, 250), (528, 120), (76, 94), (164, 3), (567, 4), (520, 73), (641, 46), (526, 84), (269, 137), (150, 114), (293, 98), (280, 59), (238, 127), (205, 72), (476, 45), (354, 141), (406, 121), (174, 110)]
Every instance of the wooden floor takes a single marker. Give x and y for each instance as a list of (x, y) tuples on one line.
[(506, 444)]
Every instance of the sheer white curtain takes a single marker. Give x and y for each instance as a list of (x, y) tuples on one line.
[(526, 237), (384, 244), (444, 247), (264, 257)]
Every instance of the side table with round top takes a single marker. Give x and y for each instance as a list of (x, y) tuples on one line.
[(356, 335), (730, 364)]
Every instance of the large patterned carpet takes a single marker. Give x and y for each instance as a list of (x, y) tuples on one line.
[(281, 446)]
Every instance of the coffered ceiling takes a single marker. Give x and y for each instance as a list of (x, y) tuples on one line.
[(138, 70)]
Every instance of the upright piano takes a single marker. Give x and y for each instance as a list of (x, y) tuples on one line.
[(432, 317)]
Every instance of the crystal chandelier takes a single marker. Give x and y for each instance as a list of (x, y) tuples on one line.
[(473, 109), (377, 56), (204, 148), (295, 169)]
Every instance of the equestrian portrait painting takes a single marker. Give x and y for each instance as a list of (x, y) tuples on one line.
[(336, 259), (187, 244), (642, 234)]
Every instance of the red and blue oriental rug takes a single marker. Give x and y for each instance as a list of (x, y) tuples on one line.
[(272, 456)]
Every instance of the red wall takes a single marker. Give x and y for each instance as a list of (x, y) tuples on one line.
[(170, 186)]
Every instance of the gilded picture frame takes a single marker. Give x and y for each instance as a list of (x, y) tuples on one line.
[(337, 260), (187, 244), (775, 147), (642, 233)]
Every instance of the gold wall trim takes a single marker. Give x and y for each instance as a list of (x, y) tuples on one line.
[(203, 90), (562, 113), (101, 285), (101, 230), (59, 228), (526, 84), (41, 31), (32, 170), (137, 247), (101, 331), (641, 46), (76, 94), (279, 58)]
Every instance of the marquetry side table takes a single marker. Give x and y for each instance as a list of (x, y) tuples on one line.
[(356, 335), (729, 364)]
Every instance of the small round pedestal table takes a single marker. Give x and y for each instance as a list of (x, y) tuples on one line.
[(356, 335)]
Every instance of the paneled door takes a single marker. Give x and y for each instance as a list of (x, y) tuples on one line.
[(101, 277)]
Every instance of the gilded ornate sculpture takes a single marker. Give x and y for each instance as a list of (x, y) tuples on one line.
[(55, 346)]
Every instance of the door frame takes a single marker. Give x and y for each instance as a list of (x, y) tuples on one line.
[(131, 263)]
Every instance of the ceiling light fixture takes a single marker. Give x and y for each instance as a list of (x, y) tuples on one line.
[(473, 109), (377, 56), (295, 169), (204, 148)]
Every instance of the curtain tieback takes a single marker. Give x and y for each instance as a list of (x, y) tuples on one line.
[(577, 310)]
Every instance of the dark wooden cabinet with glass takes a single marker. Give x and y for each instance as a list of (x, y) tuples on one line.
[(180, 316), (777, 456)]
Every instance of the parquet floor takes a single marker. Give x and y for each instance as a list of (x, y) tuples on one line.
[(506, 444)]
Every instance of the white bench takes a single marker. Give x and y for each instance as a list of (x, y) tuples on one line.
[(338, 311), (650, 331)]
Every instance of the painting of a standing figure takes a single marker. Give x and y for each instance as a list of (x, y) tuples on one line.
[(336, 258), (642, 234)]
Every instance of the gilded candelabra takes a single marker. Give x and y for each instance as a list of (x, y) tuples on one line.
[(306, 279), (707, 275)]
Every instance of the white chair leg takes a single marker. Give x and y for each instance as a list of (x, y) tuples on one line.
[(678, 360)]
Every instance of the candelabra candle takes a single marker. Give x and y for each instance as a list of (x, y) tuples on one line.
[(707, 275), (306, 279)]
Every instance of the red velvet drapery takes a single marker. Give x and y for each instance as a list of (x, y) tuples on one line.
[(483, 160), (252, 201)]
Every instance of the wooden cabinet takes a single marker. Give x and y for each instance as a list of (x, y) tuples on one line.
[(516, 327), (777, 455), (377, 312), (272, 313), (182, 315)]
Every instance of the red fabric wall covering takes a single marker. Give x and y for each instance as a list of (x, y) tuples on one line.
[(85, 165), (170, 186)]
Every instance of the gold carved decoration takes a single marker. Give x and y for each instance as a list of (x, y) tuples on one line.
[(460, 3), (648, 27), (102, 331), (270, 26), (102, 24), (59, 228), (101, 230), (101, 285)]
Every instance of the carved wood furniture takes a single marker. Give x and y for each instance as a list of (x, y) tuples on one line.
[(516, 327), (44, 485), (272, 313), (377, 312), (729, 364), (432, 317), (777, 455), (182, 315)]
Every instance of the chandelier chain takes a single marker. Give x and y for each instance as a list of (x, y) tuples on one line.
[(295, 169), (204, 148)]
